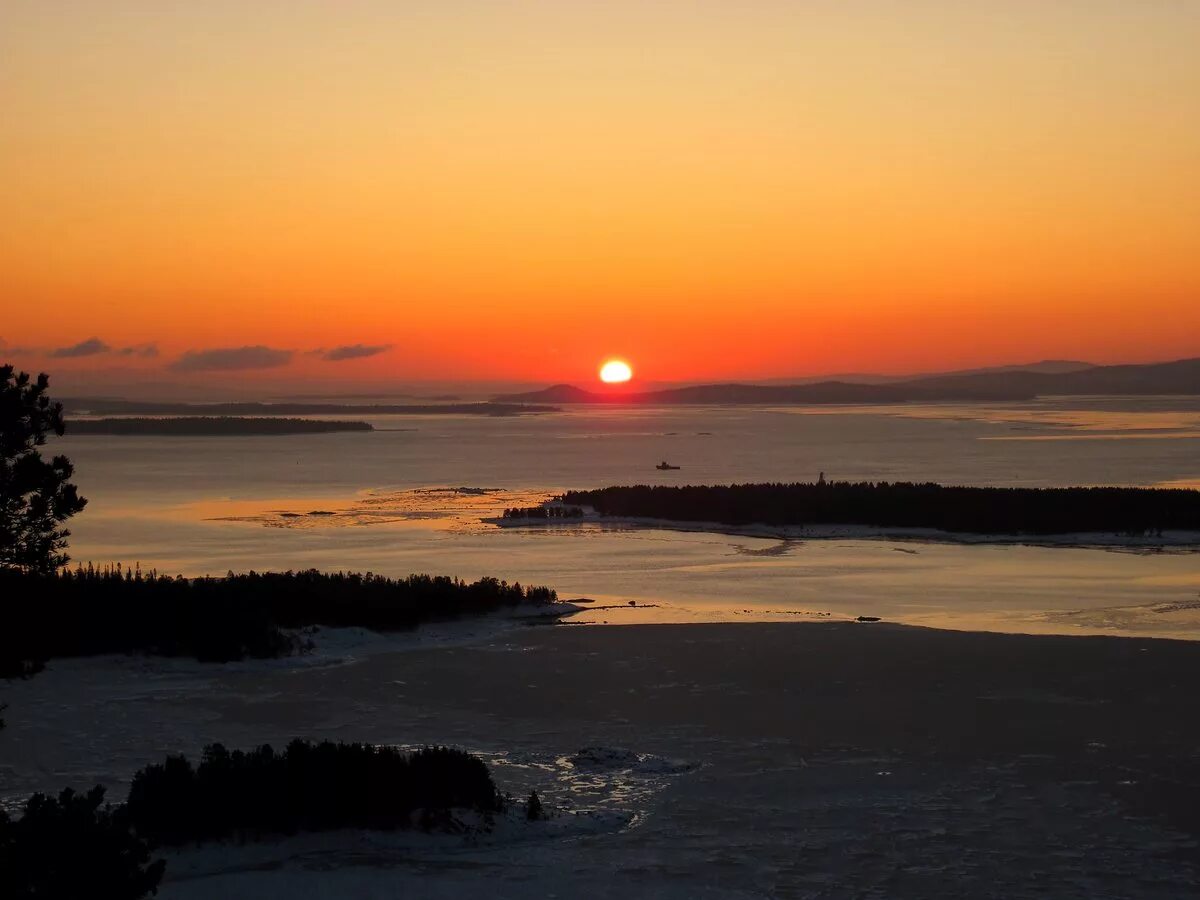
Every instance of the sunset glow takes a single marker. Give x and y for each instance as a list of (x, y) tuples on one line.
[(615, 371), (366, 192)]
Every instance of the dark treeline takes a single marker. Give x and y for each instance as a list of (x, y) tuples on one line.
[(88, 611), (307, 787), (979, 510), (543, 512), (192, 426), (73, 846), (106, 406)]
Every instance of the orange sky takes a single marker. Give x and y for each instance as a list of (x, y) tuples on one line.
[(516, 190)]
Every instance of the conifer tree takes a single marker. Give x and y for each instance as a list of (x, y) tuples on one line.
[(534, 811), (36, 496)]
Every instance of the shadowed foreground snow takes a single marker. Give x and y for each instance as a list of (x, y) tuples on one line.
[(728, 761)]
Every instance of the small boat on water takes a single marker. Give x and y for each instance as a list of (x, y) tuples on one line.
[(664, 465)]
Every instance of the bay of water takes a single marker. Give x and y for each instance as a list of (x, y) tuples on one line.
[(396, 504)]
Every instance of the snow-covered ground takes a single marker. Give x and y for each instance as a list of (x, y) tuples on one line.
[(132, 710), (676, 761), (332, 646)]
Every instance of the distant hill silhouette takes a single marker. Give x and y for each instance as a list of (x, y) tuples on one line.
[(1178, 377), (821, 392), (1048, 366), (562, 393), (1003, 383), (1045, 366)]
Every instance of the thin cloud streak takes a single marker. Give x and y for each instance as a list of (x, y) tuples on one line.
[(354, 351), (91, 347), (146, 351)]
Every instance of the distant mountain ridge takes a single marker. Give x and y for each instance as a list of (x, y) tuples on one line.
[(1047, 366), (996, 384)]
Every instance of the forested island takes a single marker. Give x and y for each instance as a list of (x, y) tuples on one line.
[(88, 611), (972, 510), (214, 426), (307, 787), (233, 795), (113, 406)]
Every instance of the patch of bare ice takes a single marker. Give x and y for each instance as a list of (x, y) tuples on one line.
[(620, 759)]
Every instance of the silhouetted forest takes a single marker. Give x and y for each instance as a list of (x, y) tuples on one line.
[(543, 512), (307, 787), (978, 510), (88, 611), (192, 426), (73, 846), (105, 406)]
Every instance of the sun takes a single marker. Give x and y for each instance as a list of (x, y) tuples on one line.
[(615, 371)]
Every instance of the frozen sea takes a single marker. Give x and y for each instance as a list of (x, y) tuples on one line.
[(831, 760), (410, 497)]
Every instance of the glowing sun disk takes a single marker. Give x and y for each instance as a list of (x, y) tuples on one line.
[(615, 371)]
